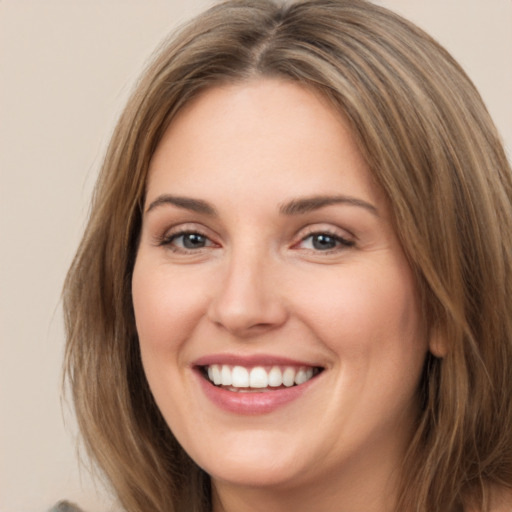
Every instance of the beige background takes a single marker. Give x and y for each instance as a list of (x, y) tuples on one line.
[(66, 67)]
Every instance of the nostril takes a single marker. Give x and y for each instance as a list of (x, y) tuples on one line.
[(246, 302)]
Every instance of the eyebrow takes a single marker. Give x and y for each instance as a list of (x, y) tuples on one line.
[(293, 207), (308, 204), (187, 203)]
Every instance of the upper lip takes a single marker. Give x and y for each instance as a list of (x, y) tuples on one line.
[(251, 360)]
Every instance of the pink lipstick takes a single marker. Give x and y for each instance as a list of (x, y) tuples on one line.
[(255, 384)]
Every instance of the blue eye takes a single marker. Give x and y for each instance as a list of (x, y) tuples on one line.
[(187, 240), (324, 242), (193, 240)]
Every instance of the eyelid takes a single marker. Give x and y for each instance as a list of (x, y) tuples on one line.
[(180, 234), (345, 240), (166, 236), (179, 227), (317, 229), (341, 240)]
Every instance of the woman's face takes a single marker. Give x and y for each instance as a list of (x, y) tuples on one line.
[(268, 259)]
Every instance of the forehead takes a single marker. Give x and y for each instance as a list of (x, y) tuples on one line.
[(265, 132)]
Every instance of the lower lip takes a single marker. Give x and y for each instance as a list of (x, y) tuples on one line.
[(252, 403)]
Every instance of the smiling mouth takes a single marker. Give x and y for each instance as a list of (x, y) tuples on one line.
[(258, 378)]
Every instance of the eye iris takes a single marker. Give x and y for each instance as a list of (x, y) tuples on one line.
[(324, 242), (193, 241)]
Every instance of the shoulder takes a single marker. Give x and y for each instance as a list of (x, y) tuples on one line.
[(65, 506)]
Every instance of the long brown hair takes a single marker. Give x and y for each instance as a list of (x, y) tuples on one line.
[(431, 146)]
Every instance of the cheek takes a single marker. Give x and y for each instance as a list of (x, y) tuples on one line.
[(371, 322), (167, 310), (364, 302), (167, 306)]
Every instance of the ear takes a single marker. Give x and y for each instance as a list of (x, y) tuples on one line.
[(437, 343)]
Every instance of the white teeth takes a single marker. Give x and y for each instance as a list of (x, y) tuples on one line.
[(258, 377), (275, 377), (217, 377), (289, 377), (303, 375), (300, 377), (240, 377), (227, 379)]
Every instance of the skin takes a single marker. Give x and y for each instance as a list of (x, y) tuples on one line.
[(259, 284)]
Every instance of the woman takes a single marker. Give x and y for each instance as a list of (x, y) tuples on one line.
[(293, 289)]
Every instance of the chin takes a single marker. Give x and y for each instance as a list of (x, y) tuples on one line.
[(267, 475), (255, 464)]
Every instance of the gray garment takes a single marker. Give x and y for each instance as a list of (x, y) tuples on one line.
[(65, 506)]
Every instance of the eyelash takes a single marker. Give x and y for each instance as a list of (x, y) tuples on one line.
[(341, 242), (169, 240)]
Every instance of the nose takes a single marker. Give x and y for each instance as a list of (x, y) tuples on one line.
[(248, 301)]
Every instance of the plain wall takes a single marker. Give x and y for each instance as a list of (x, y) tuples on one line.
[(66, 68)]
